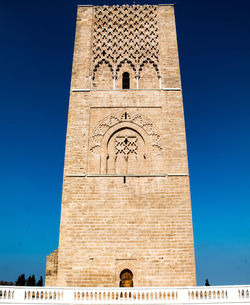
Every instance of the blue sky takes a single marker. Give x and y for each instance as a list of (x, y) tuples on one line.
[(37, 40)]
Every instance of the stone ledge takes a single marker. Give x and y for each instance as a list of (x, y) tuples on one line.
[(126, 90), (114, 175)]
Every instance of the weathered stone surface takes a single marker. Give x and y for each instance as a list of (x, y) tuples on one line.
[(126, 198), (51, 268)]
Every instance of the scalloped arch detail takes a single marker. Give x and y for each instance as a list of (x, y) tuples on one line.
[(136, 119)]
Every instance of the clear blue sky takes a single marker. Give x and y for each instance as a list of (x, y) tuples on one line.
[(35, 58)]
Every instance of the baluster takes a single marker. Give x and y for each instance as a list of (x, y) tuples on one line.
[(134, 296), (173, 295), (151, 296), (218, 294), (138, 295), (206, 296)]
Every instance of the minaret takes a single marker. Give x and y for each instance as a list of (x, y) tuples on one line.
[(126, 211)]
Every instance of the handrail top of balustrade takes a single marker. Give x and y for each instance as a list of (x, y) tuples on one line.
[(126, 288)]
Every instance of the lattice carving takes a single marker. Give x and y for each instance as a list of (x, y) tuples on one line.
[(126, 145), (138, 119), (125, 34)]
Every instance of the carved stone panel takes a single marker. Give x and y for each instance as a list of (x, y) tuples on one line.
[(125, 34), (126, 152), (126, 141)]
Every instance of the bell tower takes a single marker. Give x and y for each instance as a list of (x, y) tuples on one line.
[(126, 211)]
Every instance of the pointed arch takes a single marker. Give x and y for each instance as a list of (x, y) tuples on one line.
[(100, 63), (150, 61), (126, 66), (122, 62), (149, 75), (103, 77)]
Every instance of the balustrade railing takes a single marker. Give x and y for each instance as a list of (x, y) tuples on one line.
[(183, 295)]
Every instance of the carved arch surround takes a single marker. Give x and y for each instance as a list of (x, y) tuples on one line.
[(136, 121), (136, 151), (122, 264)]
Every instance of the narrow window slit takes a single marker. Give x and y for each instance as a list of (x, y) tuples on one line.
[(125, 80)]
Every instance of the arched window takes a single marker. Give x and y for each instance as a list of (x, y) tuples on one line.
[(125, 151), (126, 278), (125, 80)]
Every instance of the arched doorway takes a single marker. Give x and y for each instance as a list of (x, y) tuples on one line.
[(126, 278)]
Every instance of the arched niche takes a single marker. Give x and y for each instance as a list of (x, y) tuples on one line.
[(103, 78), (126, 278), (125, 150), (125, 67), (148, 76)]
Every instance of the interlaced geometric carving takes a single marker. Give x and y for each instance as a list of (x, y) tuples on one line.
[(125, 34), (138, 119), (126, 145)]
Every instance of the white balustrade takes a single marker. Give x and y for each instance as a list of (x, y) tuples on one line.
[(180, 295)]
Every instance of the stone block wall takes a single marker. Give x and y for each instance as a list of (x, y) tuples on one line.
[(126, 198), (51, 268)]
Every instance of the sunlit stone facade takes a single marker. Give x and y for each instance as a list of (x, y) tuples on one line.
[(126, 211)]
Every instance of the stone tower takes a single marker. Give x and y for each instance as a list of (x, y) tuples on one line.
[(126, 211)]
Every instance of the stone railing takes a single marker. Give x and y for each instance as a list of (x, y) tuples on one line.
[(180, 295)]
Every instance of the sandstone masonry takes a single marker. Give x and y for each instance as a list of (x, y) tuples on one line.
[(126, 211)]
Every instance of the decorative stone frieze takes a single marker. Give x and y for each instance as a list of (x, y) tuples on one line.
[(125, 34)]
